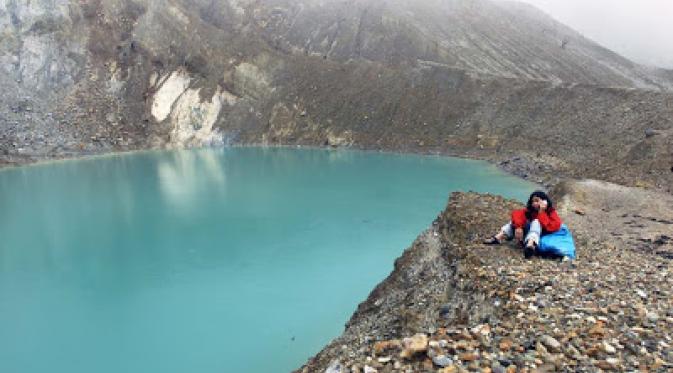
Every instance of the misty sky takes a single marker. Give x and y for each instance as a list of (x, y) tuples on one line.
[(641, 30)]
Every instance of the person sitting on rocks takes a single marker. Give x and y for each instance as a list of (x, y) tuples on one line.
[(537, 219)]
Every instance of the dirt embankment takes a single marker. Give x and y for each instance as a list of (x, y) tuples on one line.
[(536, 129), (452, 304)]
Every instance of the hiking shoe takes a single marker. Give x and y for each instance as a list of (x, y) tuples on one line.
[(492, 241), (528, 251)]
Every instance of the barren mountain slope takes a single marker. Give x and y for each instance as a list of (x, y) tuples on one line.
[(478, 78)]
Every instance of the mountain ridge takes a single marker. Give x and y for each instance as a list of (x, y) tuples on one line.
[(102, 76)]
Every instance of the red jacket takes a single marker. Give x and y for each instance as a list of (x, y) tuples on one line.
[(549, 220)]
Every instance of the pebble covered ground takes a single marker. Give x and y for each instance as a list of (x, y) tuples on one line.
[(609, 310)]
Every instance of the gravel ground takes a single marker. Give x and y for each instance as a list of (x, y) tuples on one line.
[(464, 306)]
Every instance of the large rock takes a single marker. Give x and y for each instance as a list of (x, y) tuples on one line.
[(413, 345)]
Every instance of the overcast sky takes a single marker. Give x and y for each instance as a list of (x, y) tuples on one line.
[(641, 30)]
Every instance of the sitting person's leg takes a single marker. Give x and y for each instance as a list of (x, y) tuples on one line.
[(532, 238), (505, 233), (534, 233)]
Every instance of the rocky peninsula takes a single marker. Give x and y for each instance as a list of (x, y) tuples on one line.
[(453, 304)]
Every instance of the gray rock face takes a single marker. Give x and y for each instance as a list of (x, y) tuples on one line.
[(44, 44)]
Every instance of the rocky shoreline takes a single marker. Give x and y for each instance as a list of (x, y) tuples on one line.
[(452, 304), (516, 166)]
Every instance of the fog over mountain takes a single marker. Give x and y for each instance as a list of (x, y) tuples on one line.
[(639, 30)]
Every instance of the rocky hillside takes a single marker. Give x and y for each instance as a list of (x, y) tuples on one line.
[(506, 39), (485, 79), (452, 304)]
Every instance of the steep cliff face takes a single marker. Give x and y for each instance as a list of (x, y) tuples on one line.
[(485, 79), (72, 79)]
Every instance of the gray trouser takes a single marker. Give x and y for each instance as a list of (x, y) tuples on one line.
[(534, 230)]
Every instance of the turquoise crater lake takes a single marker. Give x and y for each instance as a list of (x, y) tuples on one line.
[(214, 260)]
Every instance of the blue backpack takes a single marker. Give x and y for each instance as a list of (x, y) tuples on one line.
[(558, 243)]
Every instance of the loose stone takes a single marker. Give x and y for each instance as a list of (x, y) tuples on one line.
[(442, 360), (608, 348), (551, 343)]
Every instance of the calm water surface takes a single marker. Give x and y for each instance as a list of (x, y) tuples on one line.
[(228, 260)]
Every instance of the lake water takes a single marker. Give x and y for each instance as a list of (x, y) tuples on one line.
[(216, 260)]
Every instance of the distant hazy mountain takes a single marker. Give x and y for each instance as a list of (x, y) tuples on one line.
[(508, 39)]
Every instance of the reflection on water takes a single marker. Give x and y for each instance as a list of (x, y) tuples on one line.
[(186, 175)]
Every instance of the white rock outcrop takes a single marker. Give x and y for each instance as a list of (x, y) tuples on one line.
[(169, 91), (193, 120)]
